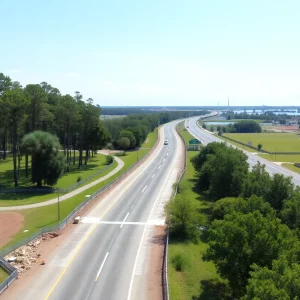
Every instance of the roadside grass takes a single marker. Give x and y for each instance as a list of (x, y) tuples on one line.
[(3, 275), (237, 144), (36, 218), (196, 273), (6, 172), (292, 167), (273, 142), (282, 158), (14, 199)]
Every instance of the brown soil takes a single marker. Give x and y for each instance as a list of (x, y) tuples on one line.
[(10, 224), (155, 284)]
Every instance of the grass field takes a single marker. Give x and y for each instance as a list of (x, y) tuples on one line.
[(67, 180), (292, 167), (273, 142), (281, 158), (36, 218), (6, 172), (3, 275), (194, 279)]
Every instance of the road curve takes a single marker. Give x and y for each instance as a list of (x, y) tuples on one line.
[(105, 257), (205, 137)]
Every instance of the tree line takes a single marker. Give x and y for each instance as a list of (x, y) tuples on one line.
[(254, 224), (41, 107), (244, 126)]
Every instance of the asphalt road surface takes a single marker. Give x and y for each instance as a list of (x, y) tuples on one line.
[(205, 138), (100, 259)]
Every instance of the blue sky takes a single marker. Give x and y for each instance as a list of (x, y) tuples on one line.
[(156, 52)]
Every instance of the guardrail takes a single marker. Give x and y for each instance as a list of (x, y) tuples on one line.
[(165, 282), (12, 275), (63, 223)]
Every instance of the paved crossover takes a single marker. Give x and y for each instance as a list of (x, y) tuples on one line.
[(205, 137)]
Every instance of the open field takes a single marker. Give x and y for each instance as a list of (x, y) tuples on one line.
[(36, 218), (3, 275), (291, 167), (281, 158), (197, 274), (273, 142)]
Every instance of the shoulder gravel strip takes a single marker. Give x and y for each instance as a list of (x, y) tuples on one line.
[(71, 194)]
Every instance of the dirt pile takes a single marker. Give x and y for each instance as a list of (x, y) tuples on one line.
[(26, 256)]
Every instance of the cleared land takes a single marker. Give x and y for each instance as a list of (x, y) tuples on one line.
[(36, 218), (273, 142), (198, 278)]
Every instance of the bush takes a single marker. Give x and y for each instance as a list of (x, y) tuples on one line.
[(180, 262), (79, 178), (109, 159)]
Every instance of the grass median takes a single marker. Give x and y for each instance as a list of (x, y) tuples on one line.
[(188, 282), (37, 218)]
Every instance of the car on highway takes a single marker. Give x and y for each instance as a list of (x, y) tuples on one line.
[(166, 142)]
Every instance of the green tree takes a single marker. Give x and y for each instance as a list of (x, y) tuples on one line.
[(241, 240), (5, 83), (231, 205), (128, 134), (259, 147), (124, 143), (221, 170), (282, 188), (290, 213), (281, 282), (47, 160), (183, 218), (258, 182), (13, 107)]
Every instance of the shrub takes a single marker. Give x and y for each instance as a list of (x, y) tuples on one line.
[(109, 159), (79, 178), (180, 262)]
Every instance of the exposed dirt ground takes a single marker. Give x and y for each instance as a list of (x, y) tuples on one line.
[(10, 224), (155, 288)]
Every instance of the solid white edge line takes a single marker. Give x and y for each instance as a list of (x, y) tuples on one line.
[(144, 189), (124, 220), (140, 245), (101, 267)]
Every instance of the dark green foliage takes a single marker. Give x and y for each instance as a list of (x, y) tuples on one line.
[(241, 240), (221, 170), (281, 282), (124, 143), (183, 218), (290, 213), (109, 159), (128, 134), (230, 205), (180, 262), (47, 160)]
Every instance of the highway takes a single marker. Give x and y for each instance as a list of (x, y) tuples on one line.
[(205, 137), (107, 255)]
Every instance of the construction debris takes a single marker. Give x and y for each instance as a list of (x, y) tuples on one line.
[(26, 256)]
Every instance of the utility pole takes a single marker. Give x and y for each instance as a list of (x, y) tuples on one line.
[(58, 206)]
